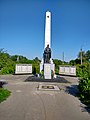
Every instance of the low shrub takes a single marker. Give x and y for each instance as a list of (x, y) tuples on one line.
[(7, 70), (83, 72), (4, 93)]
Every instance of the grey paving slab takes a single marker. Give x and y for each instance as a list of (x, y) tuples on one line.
[(27, 103)]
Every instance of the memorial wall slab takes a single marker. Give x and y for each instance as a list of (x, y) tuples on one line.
[(23, 69), (67, 70)]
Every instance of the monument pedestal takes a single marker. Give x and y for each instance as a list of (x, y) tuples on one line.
[(47, 71), (47, 68)]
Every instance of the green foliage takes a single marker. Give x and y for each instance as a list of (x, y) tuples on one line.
[(79, 71), (14, 58), (19, 59), (83, 71), (4, 57), (7, 70), (84, 88), (37, 60), (4, 93), (85, 58), (75, 62), (87, 55), (7, 62), (72, 62), (42, 74), (79, 54), (35, 68), (57, 64), (36, 65)]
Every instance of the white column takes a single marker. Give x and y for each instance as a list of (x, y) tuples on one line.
[(48, 29)]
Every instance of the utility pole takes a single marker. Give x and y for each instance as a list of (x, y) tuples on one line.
[(81, 55), (63, 58)]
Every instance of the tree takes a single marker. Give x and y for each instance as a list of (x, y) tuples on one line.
[(4, 57), (14, 57), (19, 59), (87, 55), (79, 54), (57, 63), (82, 53), (72, 62), (37, 59), (77, 61)]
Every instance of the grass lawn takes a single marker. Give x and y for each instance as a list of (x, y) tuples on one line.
[(4, 93)]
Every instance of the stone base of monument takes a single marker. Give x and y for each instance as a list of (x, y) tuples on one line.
[(48, 70), (38, 79)]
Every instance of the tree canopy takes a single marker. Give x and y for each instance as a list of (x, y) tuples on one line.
[(8, 62)]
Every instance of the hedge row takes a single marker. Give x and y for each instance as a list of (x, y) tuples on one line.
[(83, 71)]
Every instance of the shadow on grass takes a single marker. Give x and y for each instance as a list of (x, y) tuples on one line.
[(2, 83), (73, 90)]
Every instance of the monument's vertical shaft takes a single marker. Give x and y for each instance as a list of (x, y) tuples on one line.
[(48, 29), (47, 67)]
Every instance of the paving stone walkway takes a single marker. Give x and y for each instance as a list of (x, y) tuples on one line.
[(28, 103)]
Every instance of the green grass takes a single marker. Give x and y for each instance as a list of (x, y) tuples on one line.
[(4, 93)]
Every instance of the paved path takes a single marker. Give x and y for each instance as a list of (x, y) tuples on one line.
[(27, 103)]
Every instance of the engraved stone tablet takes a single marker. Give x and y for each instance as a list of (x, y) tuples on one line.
[(47, 71), (67, 70), (23, 69)]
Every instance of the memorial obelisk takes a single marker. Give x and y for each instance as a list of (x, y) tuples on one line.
[(47, 65), (48, 29)]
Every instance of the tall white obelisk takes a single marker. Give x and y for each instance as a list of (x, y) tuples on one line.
[(48, 29), (47, 67)]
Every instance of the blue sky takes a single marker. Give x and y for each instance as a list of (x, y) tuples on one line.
[(22, 27)]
